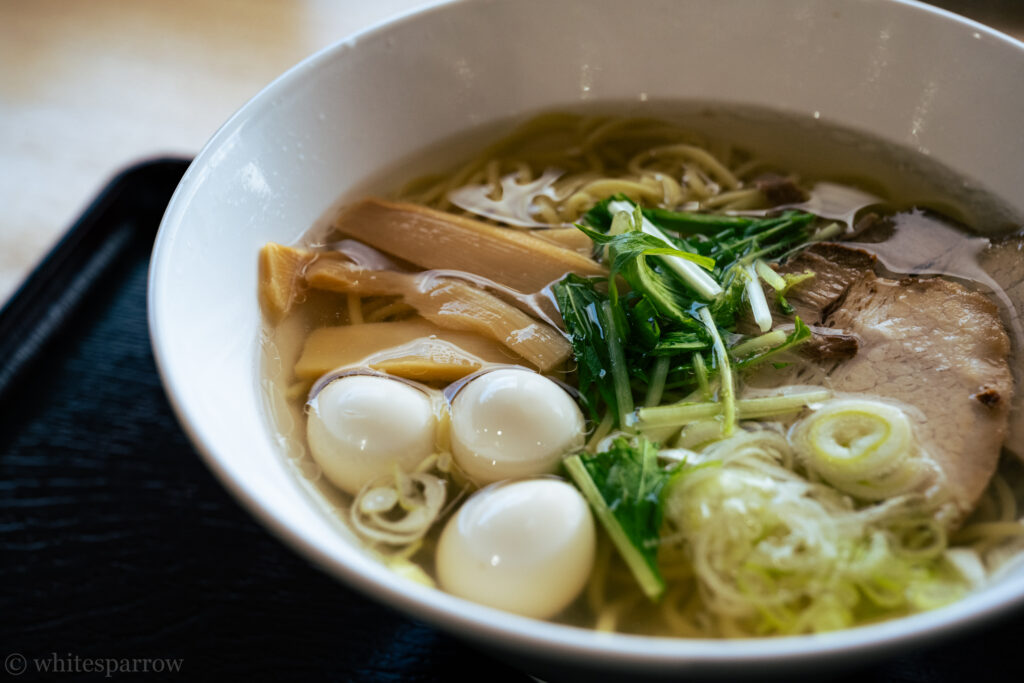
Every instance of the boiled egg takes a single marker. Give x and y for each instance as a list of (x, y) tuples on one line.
[(513, 423), (525, 547), (360, 426)]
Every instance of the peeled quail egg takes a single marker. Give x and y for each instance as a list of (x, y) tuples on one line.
[(360, 425), (513, 423), (525, 547)]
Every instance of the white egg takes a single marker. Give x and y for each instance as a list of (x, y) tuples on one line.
[(513, 423), (360, 425), (525, 547)]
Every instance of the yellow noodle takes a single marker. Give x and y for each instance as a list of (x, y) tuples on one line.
[(568, 184), (648, 160), (702, 157), (523, 172), (634, 189), (597, 583), (730, 628), (678, 571), (601, 432), (677, 610), (727, 199), (297, 390), (392, 311), (987, 508), (578, 203), (606, 130), (355, 309), (493, 178), (745, 200), (545, 210), (750, 168), (672, 190), (374, 303), (1004, 495), (695, 183), (983, 531), (608, 618), (594, 163)]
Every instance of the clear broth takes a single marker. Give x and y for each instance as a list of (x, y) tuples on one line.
[(902, 178)]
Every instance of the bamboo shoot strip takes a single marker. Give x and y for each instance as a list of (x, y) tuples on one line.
[(434, 240), (281, 277), (415, 348), (450, 304)]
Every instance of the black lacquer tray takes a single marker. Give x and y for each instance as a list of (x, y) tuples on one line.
[(117, 544)]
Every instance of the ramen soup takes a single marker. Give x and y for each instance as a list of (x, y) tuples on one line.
[(614, 374)]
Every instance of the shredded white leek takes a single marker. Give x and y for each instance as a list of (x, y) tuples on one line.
[(755, 295), (776, 553), (398, 510), (863, 447), (411, 571)]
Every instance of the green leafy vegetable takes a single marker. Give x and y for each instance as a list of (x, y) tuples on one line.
[(643, 320), (682, 265), (664, 328), (664, 338), (696, 223), (628, 252), (625, 487), (620, 373), (672, 343), (799, 335), (582, 309), (600, 218)]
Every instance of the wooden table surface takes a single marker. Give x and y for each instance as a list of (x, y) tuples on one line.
[(89, 87)]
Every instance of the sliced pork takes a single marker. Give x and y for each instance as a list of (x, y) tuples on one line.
[(930, 343), (1004, 262)]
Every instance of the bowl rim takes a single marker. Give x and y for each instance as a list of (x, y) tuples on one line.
[(484, 624)]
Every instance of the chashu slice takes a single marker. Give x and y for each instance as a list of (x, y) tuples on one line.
[(941, 348), (1004, 262), (930, 343)]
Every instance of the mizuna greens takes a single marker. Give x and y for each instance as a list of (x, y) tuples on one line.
[(690, 277), (625, 485), (670, 333)]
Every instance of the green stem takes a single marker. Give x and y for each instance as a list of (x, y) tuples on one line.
[(726, 392), (748, 409), (759, 343), (774, 280), (652, 584), (701, 370), (657, 386), (602, 431), (620, 374)]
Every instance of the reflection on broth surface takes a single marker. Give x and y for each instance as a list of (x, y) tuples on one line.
[(617, 374)]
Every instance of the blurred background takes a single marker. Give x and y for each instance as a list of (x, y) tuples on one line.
[(87, 88)]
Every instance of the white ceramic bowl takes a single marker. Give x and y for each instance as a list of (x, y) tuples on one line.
[(912, 75)]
